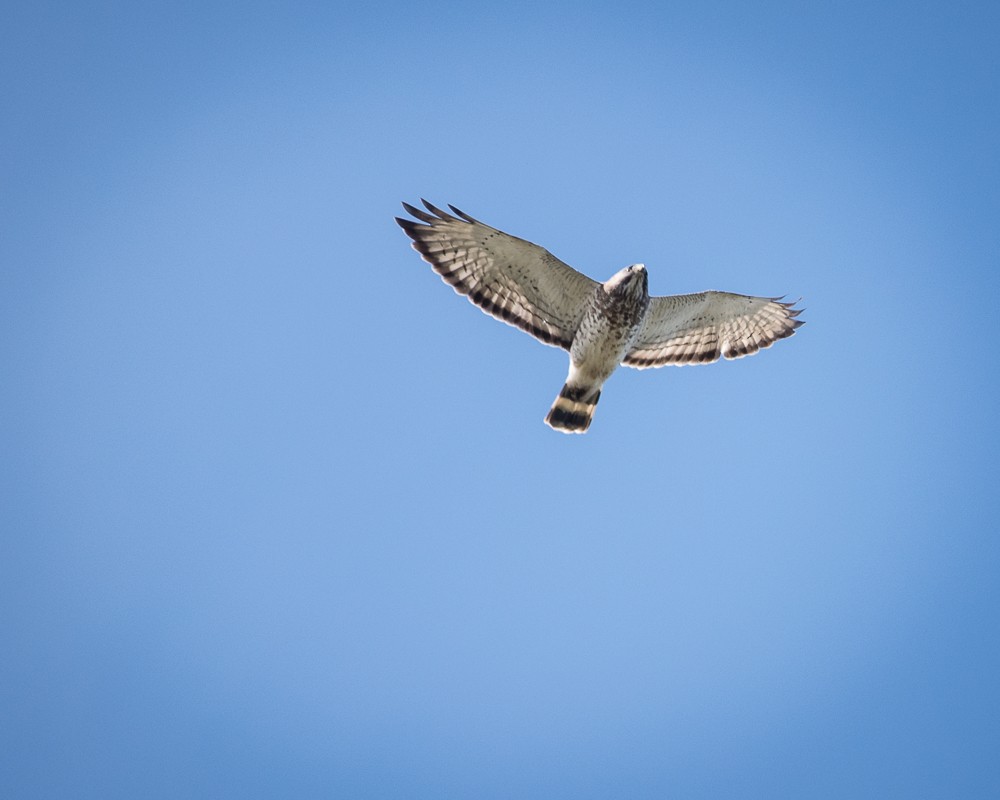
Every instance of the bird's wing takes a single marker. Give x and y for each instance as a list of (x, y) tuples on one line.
[(512, 279), (699, 328)]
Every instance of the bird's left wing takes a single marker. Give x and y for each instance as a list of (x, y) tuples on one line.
[(701, 328), (512, 279)]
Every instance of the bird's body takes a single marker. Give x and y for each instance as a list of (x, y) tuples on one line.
[(611, 321), (602, 325)]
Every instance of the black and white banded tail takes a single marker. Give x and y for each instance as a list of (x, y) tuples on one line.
[(573, 409)]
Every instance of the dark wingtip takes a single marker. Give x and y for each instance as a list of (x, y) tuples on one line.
[(461, 214), (436, 214), (435, 210), (423, 216), (790, 310), (408, 225)]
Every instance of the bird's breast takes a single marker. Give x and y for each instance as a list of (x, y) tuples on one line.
[(607, 330)]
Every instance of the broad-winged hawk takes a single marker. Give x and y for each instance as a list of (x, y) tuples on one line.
[(602, 325)]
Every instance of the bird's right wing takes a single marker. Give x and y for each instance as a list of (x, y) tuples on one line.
[(512, 279), (699, 328)]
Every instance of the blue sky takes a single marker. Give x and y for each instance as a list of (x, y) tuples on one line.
[(280, 517)]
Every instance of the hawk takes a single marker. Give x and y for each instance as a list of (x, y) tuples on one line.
[(602, 325)]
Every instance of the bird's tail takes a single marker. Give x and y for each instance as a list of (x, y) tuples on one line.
[(573, 409)]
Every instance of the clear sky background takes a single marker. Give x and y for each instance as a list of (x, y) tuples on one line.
[(280, 517)]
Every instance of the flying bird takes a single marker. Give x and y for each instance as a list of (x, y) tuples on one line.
[(602, 325)]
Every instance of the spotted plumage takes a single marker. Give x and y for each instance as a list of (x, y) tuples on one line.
[(602, 325)]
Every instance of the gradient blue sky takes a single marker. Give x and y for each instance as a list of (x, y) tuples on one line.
[(280, 517)]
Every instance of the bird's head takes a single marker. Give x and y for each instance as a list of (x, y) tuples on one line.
[(631, 280)]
